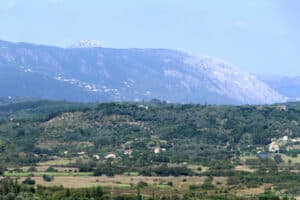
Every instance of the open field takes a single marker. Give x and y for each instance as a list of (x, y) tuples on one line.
[(244, 168), (252, 191), (244, 158), (181, 182), (28, 174), (43, 168), (127, 184), (57, 162), (295, 160)]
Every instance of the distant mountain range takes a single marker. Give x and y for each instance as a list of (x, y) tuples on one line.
[(287, 86), (88, 73)]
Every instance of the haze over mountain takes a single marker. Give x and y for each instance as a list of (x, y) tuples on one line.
[(286, 85), (91, 73)]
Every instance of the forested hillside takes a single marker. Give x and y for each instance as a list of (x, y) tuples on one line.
[(197, 132)]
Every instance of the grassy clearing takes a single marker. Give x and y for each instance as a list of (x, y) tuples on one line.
[(295, 160), (244, 168), (123, 186), (120, 181), (131, 174), (252, 191), (244, 158), (58, 162), (220, 181), (163, 186), (26, 174), (44, 169)]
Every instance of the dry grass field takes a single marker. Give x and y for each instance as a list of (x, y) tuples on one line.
[(252, 191), (244, 168), (57, 162), (122, 184), (295, 160), (181, 182)]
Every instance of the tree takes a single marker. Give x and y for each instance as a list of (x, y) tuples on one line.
[(29, 181)]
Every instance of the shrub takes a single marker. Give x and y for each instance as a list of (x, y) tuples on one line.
[(29, 181), (32, 169), (195, 187), (47, 178), (142, 184), (51, 169)]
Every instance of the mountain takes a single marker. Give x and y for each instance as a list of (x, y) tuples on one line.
[(94, 73), (286, 85)]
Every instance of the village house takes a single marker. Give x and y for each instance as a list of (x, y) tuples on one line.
[(81, 153), (282, 108), (128, 152), (285, 138), (157, 150), (143, 106), (273, 147), (97, 157), (259, 149), (111, 155)]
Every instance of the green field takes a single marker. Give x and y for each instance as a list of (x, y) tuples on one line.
[(131, 174), (163, 186)]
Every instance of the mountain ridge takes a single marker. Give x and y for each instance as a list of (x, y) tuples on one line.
[(108, 74)]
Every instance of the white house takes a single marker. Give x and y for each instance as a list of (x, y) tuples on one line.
[(282, 108), (128, 152), (273, 147), (157, 150), (285, 138), (111, 155), (81, 153)]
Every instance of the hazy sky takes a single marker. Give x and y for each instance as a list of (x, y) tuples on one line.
[(260, 36)]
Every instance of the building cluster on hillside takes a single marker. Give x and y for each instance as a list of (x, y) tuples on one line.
[(282, 107), (274, 146), (125, 150)]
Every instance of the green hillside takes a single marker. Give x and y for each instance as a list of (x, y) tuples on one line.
[(202, 134), (154, 139)]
